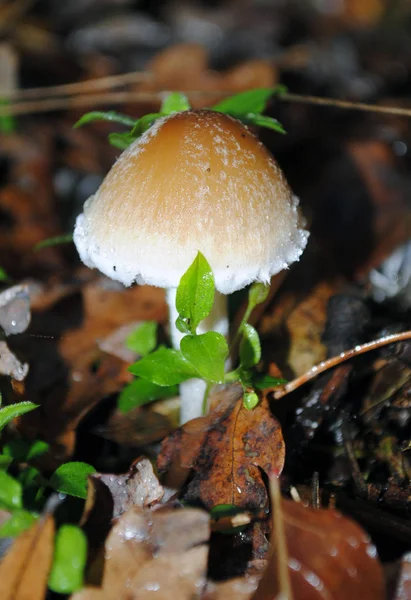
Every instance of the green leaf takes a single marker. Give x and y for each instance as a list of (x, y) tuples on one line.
[(5, 461), (263, 382), (111, 116), (207, 353), (144, 123), (121, 140), (143, 340), (71, 478), (257, 294), (175, 102), (182, 325), (250, 400), (251, 101), (143, 391), (3, 275), (69, 560), (10, 491), (195, 293), (19, 521), (23, 451), (263, 121), (8, 123), (250, 347), (37, 448), (66, 238), (164, 367), (8, 413)]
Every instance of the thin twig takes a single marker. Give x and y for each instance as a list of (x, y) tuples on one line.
[(94, 100), (79, 87), (345, 104), (84, 100), (283, 390)]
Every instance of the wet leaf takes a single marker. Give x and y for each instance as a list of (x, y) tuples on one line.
[(110, 116), (138, 487), (19, 521), (143, 391), (10, 491), (207, 353), (15, 309), (250, 347), (69, 560), (71, 478), (322, 554), (195, 293), (175, 102), (264, 121), (24, 569), (251, 101), (227, 450), (24, 451), (164, 367), (121, 140), (8, 413), (162, 553), (143, 340)]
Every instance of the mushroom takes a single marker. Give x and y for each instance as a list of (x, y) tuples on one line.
[(197, 180)]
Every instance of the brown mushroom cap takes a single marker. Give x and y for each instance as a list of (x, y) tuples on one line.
[(195, 181)]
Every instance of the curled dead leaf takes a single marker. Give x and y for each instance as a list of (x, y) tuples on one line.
[(162, 552), (139, 487), (226, 450), (319, 553), (25, 568)]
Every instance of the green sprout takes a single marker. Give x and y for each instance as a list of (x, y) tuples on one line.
[(203, 355), (247, 107)]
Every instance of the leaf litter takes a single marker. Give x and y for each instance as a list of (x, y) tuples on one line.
[(347, 430)]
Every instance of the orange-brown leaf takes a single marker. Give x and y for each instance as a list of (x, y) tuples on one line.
[(25, 568), (328, 556), (226, 450)]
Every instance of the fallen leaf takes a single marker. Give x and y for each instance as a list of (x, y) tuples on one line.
[(10, 364), (240, 588), (226, 450), (139, 487), (14, 309), (64, 334), (319, 554), (402, 585), (161, 553), (302, 315), (25, 568)]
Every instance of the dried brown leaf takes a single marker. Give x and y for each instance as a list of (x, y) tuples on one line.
[(139, 487), (25, 568), (162, 552), (326, 555), (226, 449)]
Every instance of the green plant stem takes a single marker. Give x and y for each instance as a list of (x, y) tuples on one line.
[(244, 320), (232, 376), (205, 398)]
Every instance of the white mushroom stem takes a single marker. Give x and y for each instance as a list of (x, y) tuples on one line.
[(192, 391)]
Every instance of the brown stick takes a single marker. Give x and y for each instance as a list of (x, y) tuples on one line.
[(345, 104), (283, 390), (110, 98), (89, 85)]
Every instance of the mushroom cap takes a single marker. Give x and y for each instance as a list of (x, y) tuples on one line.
[(195, 181)]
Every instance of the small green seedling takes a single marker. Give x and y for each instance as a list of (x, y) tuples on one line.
[(203, 355), (247, 107)]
